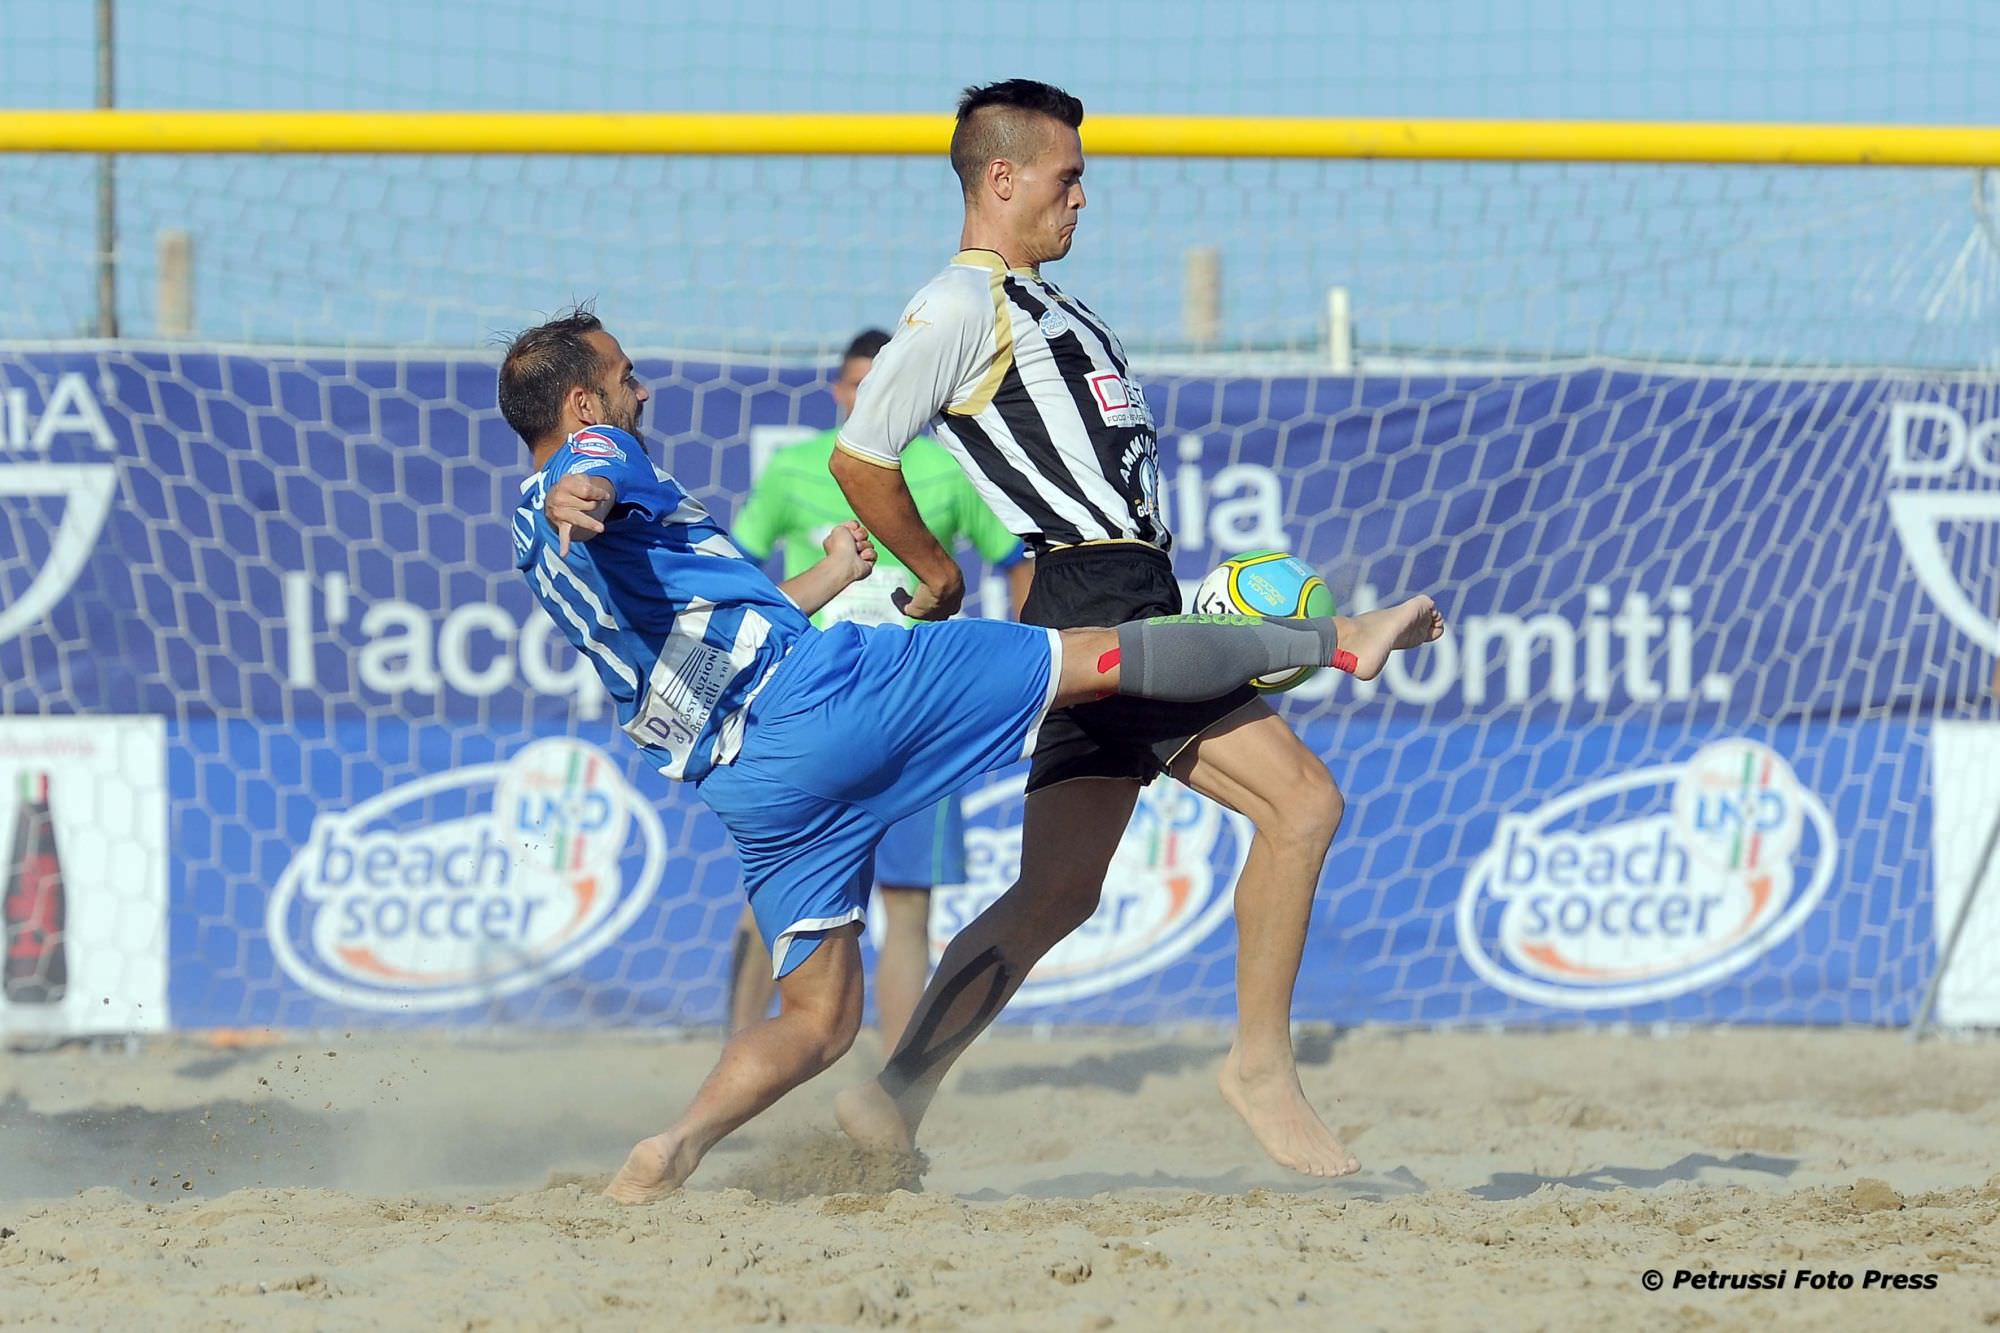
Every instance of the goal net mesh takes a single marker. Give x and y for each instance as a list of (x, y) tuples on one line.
[(1701, 463)]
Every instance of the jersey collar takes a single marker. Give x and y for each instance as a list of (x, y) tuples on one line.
[(994, 262)]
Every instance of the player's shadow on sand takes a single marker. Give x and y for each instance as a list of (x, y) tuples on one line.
[(1519, 1184), (159, 1154), (1377, 1186), (1123, 1071), (227, 1144), (1370, 1185)]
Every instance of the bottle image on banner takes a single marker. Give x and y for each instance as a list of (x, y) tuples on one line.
[(36, 967)]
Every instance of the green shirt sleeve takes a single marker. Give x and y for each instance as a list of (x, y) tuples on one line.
[(763, 518), (988, 535)]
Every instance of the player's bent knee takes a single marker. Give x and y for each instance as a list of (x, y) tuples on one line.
[(1326, 806), (1319, 804), (838, 1038), (1057, 906), (822, 997), (1303, 804), (1059, 895), (1078, 906), (829, 1026)]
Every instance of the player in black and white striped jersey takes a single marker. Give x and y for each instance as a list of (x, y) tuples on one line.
[(1040, 408), (1030, 389)]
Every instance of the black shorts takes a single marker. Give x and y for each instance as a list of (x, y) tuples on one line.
[(1079, 587)]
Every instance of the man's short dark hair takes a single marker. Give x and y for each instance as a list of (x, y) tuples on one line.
[(867, 344), (992, 124), (543, 364)]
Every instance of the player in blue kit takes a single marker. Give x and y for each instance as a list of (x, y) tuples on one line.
[(809, 743)]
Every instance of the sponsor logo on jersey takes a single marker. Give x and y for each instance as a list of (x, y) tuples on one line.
[(1120, 402), (72, 497), (1648, 885), (1140, 465), (592, 445), (1944, 479), (1053, 323), (468, 885), (1170, 885)]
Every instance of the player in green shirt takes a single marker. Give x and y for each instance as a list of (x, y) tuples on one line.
[(794, 503)]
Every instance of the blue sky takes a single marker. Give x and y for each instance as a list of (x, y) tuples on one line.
[(1701, 262)]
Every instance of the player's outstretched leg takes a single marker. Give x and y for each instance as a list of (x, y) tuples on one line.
[(819, 1011), (1189, 658)]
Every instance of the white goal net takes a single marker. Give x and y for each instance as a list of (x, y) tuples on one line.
[(1703, 463), (1673, 760)]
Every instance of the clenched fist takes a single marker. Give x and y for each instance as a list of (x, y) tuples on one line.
[(849, 542), (577, 506)]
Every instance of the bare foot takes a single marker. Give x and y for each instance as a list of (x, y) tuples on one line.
[(655, 1168), (1373, 635), (1277, 1112), (870, 1117)]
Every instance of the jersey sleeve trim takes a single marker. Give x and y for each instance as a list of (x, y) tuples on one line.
[(1003, 345), (892, 464)]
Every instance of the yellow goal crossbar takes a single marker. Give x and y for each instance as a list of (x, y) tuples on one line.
[(771, 133)]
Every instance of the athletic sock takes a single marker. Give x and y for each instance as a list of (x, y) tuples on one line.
[(1188, 658)]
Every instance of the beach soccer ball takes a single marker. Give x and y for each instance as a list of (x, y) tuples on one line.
[(1266, 583)]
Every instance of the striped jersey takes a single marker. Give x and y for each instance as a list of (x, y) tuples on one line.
[(683, 629), (1031, 391)]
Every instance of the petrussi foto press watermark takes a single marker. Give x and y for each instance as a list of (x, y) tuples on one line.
[(1787, 1279)]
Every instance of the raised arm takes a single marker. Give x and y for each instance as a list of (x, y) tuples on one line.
[(850, 557)]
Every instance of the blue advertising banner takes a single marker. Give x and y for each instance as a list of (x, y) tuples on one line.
[(1669, 763)]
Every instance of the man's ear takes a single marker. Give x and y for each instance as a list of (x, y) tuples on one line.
[(1000, 178), (582, 404)]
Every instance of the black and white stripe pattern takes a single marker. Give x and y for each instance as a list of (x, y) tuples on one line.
[(1064, 451)]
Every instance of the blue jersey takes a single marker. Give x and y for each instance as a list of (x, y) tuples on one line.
[(682, 628)]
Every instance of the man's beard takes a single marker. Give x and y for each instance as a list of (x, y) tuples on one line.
[(631, 426)]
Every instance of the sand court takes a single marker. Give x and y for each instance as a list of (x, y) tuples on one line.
[(1508, 1180)]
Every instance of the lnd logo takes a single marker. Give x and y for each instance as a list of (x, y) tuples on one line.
[(1932, 443), (70, 422)]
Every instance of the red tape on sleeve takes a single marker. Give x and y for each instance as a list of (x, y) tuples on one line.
[(1344, 660)]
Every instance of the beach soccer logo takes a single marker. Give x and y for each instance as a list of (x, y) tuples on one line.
[(468, 885), (1169, 886), (1648, 885), (1944, 499), (52, 507)]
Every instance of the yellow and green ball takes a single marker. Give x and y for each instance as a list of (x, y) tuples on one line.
[(1267, 583)]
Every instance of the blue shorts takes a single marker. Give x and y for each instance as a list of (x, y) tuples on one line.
[(925, 850), (858, 728)]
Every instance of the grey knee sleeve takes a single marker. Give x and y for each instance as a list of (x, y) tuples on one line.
[(1187, 658)]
